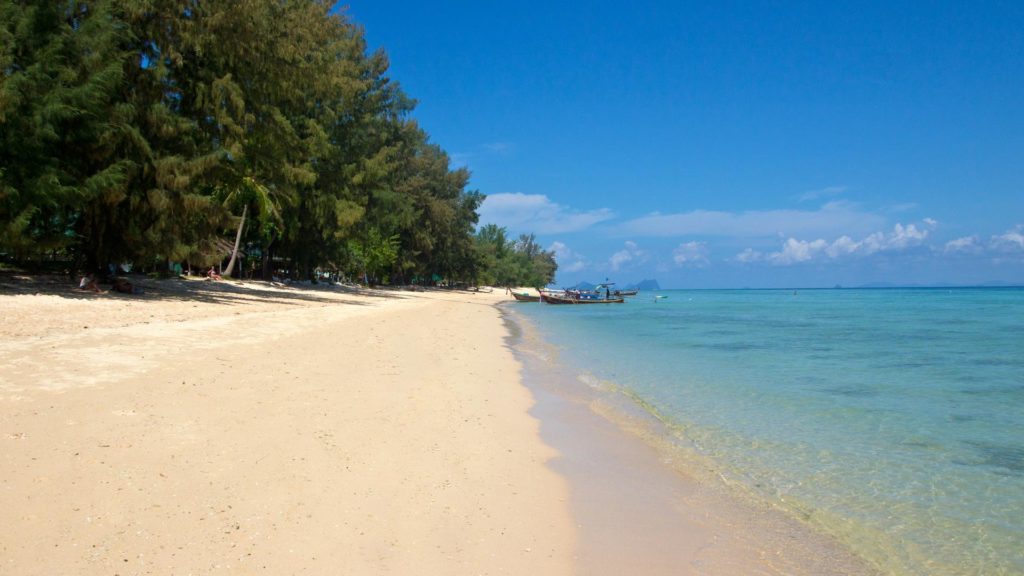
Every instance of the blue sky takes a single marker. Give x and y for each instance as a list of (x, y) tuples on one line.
[(731, 144)]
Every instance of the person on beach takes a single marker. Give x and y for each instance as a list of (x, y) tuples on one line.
[(123, 286), (212, 274), (88, 282)]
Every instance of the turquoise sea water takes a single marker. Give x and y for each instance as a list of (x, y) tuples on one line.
[(892, 419)]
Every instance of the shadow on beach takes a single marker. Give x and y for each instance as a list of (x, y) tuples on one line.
[(201, 290), (194, 289)]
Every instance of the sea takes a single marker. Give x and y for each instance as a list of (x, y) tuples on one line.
[(890, 419)]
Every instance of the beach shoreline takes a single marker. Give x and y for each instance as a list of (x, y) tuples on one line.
[(640, 500), (228, 427)]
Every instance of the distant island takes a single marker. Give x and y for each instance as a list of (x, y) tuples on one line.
[(645, 285)]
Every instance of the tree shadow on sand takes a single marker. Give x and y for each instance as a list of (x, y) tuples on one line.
[(225, 292)]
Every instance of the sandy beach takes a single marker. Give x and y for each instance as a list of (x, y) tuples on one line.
[(215, 427), (212, 428)]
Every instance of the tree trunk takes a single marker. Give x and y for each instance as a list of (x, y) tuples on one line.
[(238, 240), (268, 274)]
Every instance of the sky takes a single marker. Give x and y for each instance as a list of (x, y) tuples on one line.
[(731, 144)]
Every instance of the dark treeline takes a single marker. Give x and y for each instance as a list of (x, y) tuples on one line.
[(164, 132)]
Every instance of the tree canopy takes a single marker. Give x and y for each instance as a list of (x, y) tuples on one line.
[(505, 261), (157, 131)]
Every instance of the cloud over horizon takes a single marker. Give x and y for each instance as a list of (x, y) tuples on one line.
[(836, 233), (1010, 243), (536, 213), (795, 251), (832, 218), (691, 253), (964, 245), (568, 261), (631, 253)]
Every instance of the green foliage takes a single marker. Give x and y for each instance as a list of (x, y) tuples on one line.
[(149, 130), (505, 262), (61, 120), (374, 253)]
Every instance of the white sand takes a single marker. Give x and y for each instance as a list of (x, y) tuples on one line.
[(206, 428), (213, 427)]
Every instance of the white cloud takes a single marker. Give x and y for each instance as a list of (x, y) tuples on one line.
[(1011, 241), (691, 254), (573, 266), (830, 219), (795, 251), (630, 253), (619, 258), (560, 250), (538, 214), (568, 261), (749, 255), (967, 244), (826, 192), (904, 236), (841, 247), (931, 222)]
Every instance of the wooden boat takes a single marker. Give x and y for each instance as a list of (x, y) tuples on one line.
[(608, 288), (569, 298), (525, 297)]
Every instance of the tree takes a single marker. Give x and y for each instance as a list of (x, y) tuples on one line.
[(62, 120), (248, 192), (520, 262), (375, 252), (143, 130)]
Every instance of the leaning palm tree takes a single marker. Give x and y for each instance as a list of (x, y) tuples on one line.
[(248, 192)]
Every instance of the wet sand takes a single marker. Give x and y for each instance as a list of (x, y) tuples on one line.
[(642, 505)]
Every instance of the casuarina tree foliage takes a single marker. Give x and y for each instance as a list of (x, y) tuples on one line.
[(259, 134), (513, 262)]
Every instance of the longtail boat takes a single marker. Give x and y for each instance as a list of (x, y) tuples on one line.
[(525, 297), (570, 298), (608, 289)]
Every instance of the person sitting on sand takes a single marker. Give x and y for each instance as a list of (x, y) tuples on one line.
[(125, 287), (88, 282), (212, 274)]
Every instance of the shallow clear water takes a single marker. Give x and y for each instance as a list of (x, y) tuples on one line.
[(893, 419)]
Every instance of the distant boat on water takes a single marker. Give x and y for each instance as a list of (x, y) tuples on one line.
[(573, 297)]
